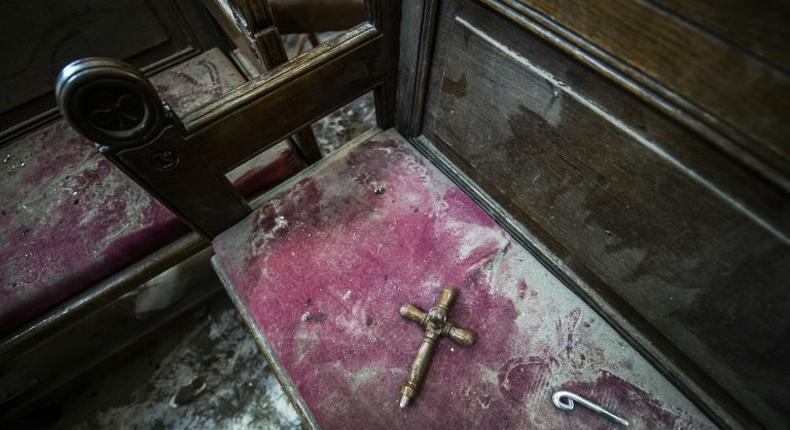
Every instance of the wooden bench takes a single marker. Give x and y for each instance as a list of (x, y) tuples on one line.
[(615, 223)]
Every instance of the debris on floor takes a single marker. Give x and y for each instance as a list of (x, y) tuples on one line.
[(190, 392), (205, 373)]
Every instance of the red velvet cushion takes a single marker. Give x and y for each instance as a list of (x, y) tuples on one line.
[(69, 218), (323, 267)]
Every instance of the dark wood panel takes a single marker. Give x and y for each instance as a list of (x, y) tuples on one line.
[(758, 27), (417, 26), (386, 16), (676, 233), (40, 37), (736, 89)]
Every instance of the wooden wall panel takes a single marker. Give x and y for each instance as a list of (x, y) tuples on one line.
[(681, 237), (41, 38), (676, 55), (761, 28)]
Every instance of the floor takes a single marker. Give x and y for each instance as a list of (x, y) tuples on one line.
[(201, 371)]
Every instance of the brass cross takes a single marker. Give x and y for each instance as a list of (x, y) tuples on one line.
[(436, 326)]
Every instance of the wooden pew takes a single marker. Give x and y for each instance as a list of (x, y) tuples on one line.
[(596, 139)]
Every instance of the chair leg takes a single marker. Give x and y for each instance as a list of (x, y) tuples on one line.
[(313, 37), (305, 142)]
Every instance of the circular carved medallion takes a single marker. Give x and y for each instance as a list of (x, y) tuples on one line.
[(109, 102)]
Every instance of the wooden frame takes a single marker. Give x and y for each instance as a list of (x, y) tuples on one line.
[(250, 24), (93, 303)]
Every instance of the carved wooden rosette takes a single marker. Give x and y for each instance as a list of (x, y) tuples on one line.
[(111, 103)]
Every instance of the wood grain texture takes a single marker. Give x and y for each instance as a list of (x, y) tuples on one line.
[(760, 28), (708, 73), (250, 24), (647, 212), (417, 34)]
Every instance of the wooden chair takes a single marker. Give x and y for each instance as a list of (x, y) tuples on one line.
[(595, 210)]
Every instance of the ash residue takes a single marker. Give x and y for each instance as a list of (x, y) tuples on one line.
[(346, 123)]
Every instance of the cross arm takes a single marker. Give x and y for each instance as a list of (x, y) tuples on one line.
[(460, 336)]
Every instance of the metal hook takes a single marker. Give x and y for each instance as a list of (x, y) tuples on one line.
[(570, 398)]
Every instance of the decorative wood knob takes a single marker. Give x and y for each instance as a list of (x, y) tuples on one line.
[(110, 102)]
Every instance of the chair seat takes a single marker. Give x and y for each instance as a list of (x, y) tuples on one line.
[(69, 218), (320, 271)]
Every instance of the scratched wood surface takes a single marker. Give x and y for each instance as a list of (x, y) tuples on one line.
[(762, 30), (734, 85), (687, 243)]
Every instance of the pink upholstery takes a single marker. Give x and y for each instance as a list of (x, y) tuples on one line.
[(69, 218), (324, 266)]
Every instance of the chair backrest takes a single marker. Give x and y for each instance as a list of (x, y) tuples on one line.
[(183, 161), (250, 25)]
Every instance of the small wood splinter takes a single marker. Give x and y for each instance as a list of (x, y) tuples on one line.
[(436, 326)]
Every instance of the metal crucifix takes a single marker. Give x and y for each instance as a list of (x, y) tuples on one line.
[(436, 326)]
